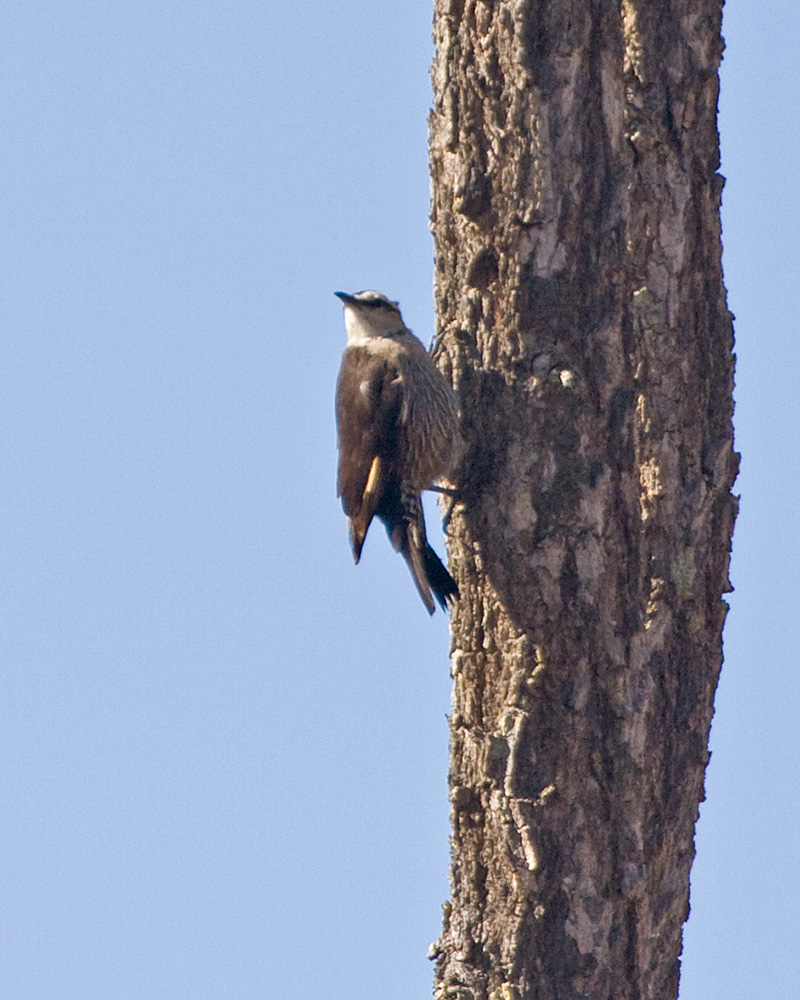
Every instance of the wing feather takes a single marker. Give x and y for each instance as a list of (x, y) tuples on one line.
[(368, 402)]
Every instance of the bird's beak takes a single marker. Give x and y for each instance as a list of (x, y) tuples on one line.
[(347, 299)]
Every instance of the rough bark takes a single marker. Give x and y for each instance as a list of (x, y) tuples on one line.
[(582, 313)]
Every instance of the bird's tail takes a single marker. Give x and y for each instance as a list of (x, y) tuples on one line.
[(407, 532)]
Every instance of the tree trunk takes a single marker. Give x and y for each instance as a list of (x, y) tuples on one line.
[(582, 317)]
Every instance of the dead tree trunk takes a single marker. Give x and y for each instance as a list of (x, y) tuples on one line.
[(574, 155)]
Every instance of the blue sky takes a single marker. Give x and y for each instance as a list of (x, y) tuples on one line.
[(224, 748)]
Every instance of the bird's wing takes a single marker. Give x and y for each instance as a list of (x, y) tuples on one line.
[(368, 405)]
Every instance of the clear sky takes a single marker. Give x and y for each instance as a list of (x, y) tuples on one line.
[(223, 748)]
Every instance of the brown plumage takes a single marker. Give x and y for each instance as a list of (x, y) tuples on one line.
[(397, 422)]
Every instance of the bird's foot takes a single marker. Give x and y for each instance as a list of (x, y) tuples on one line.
[(455, 497)]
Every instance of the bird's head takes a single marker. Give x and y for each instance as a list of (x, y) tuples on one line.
[(370, 314)]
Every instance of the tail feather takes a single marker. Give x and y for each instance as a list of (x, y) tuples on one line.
[(442, 584), (407, 533), (414, 554)]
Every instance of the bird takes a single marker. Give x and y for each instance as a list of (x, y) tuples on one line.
[(397, 422)]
